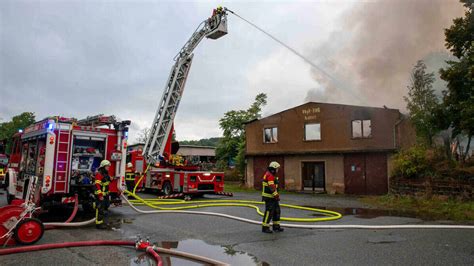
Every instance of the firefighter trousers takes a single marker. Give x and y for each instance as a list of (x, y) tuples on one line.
[(130, 181), (130, 184), (101, 210), (272, 212)]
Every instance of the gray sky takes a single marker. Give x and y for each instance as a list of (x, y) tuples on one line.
[(79, 58)]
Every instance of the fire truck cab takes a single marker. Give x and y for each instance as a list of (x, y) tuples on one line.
[(64, 154)]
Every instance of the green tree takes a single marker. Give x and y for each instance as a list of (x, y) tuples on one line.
[(8, 129), (232, 146), (459, 96), (422, 103), (212, 142)]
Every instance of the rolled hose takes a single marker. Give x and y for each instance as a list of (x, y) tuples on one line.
[(150, 249)]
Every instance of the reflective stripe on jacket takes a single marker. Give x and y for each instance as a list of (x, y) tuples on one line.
[(102, 182), (129, 174), (269, 185)]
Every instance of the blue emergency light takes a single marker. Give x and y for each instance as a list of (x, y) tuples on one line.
[(50, 126)]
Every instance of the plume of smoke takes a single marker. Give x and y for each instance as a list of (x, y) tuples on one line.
[(376, 47)]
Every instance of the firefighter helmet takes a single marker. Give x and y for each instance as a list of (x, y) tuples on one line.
[(274, 165), (129, 165), (104, 163)]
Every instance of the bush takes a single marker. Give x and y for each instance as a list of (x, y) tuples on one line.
[(412, 163), (232, 175), (420, 163)]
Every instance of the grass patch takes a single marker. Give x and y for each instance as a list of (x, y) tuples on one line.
[(434, 208)]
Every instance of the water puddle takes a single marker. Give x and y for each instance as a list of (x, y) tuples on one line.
[(226, 254), (366, 213)]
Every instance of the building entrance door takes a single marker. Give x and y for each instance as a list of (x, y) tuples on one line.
[(313, 176), (365, 173)]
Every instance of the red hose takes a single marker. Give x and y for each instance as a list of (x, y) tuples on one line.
[(155, 255), (149, 249), (76, 206), (66, 245), (73, 214)]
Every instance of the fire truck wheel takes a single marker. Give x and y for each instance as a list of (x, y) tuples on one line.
[(167, 189), (28, 231)]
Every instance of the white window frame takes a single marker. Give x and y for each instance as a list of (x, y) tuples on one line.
[(312, 123)]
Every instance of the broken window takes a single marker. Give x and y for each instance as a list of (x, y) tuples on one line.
[(312, 131), (270, 135), (361, 129)]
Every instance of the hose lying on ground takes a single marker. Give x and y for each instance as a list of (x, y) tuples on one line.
[(158, 203), (332, 226), (23, 249), (73, 214), (152, 205), (149, 249), (155, 255)]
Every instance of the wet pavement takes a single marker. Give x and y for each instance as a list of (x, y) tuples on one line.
[(226, 254), (366, 213), (238, 243)]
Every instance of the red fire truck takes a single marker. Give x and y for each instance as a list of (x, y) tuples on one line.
[(173, 175), (64, 154)]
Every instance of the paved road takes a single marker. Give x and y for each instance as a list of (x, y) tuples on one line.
[(243, 244)]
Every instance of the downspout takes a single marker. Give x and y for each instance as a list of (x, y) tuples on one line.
[(400, 119)]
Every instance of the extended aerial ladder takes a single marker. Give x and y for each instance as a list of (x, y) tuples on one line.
[(212, 28)]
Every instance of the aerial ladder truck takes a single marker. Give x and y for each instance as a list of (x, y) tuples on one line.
[(158, 173)]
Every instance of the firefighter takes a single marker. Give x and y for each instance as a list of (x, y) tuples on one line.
[(102, 202), (271, 197), (129, 177)]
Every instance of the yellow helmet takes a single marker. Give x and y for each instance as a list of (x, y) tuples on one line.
[(104, 163), (274, 165)]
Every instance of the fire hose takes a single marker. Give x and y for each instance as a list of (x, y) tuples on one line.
[(154, 204), (139, 245), (71, 217), (332, 215)]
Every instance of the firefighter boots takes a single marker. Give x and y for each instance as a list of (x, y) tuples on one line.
[(277, 228), (101, 226), (266, 229)]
